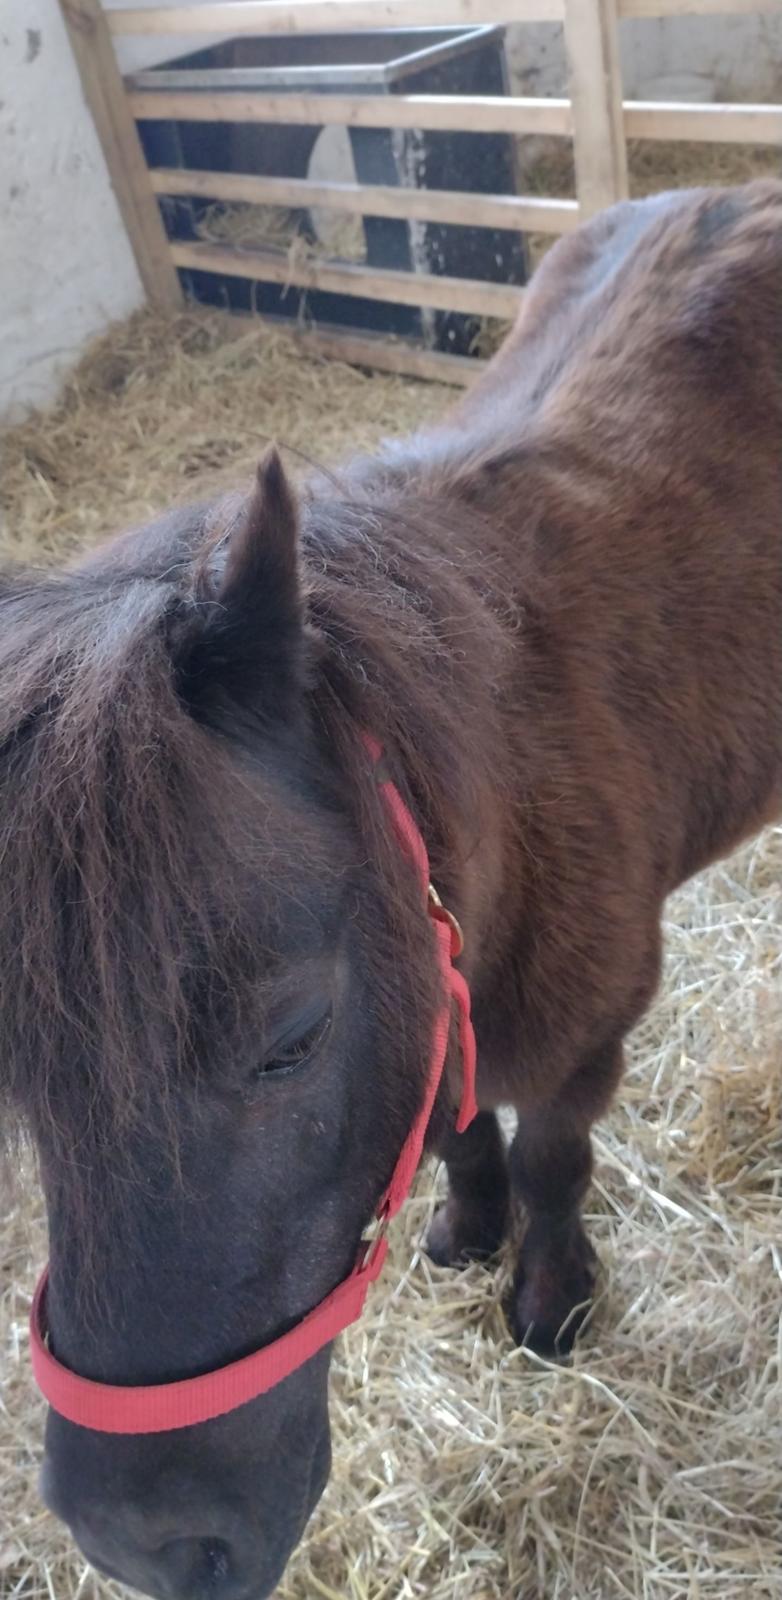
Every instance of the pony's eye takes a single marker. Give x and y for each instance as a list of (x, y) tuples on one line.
[(297, 1047)]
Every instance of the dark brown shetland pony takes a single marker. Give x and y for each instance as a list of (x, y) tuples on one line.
[(561, 613)]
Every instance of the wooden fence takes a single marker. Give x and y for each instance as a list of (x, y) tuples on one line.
[(594, 116)]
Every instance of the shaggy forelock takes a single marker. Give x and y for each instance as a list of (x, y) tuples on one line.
[(120, 873)]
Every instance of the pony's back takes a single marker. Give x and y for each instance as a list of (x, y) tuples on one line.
[(699, 271)]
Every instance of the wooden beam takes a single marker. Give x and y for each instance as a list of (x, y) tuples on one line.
[(386, 355), (467, 295), (711, 124), (717, 123), (256, 18), (234, 18), (451, 112), (509, 211), (698, 8), (105, 94), (595, 81)]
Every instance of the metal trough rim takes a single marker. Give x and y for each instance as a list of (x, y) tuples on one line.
[(454, 43)]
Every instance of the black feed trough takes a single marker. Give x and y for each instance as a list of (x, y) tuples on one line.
[(448, 61)]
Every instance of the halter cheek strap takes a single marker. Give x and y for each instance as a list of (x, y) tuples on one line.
[(158, 1408)]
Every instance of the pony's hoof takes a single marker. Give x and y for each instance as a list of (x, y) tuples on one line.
[(456, 1237), (552, 1297)]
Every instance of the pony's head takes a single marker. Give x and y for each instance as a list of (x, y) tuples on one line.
[(218, 988)]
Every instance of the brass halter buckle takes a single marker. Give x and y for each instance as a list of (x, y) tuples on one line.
[(440, 913)]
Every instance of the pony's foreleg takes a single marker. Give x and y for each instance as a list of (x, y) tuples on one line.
[(473, 1221), (550, 1169)]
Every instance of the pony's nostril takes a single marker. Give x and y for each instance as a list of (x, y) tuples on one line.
[(199, 1567), (216, 1558)]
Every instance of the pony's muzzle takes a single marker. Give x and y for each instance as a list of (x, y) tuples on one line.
[(216, 1564)]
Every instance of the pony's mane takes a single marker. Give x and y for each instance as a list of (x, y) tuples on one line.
[(122, 816), (405, 592)]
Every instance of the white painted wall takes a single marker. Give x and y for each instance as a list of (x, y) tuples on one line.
[(66, 268)]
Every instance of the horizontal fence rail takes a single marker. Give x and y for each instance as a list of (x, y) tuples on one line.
[(432, 112), (468, 295), (456, 207), (388, 355), (710, 124), (255, 18), (698, 8), (707, 124), (259, 17)]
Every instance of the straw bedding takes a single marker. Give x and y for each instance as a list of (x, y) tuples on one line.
[(648, 1468)]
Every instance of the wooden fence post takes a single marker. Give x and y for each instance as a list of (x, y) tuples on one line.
[(592, 47), (105, 94)]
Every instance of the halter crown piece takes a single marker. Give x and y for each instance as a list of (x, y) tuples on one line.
[(159, 1408)]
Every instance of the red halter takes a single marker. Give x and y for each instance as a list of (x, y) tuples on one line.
[(157, 1408)]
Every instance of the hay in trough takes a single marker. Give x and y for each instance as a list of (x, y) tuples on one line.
[(648, 1468), (250, 227)]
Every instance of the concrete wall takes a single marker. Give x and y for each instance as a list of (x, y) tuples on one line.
[(66, 268), (713, 58)]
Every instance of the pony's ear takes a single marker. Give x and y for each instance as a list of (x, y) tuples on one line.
[(247, 650)]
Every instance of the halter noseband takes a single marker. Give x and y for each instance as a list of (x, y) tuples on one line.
[(158, 1408)]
